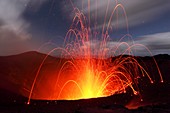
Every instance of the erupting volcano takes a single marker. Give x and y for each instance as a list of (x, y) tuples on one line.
[(84, 56), (85, 69)]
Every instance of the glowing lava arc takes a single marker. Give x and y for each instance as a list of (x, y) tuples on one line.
[(85, 71)]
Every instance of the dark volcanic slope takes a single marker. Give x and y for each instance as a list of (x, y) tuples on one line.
[(17, 73), (16, 70), (157, 92), (81, 106)]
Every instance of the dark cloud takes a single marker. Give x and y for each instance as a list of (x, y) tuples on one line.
[(147, 45), (157, 43), (12, 43), (13, 27), (138, 11)]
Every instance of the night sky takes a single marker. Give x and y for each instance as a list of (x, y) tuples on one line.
[(25, 25)]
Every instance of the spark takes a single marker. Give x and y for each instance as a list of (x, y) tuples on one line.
[(84, 70)]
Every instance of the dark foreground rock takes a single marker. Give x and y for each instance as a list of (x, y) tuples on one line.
[(66, 108)]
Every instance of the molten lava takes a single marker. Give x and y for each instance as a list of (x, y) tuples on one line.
[(85, 70), (91, 81)]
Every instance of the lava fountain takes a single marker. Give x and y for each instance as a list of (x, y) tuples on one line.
[(85, 69)]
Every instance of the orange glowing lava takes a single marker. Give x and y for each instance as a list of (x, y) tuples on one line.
[(85, 70), (92, 81)]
